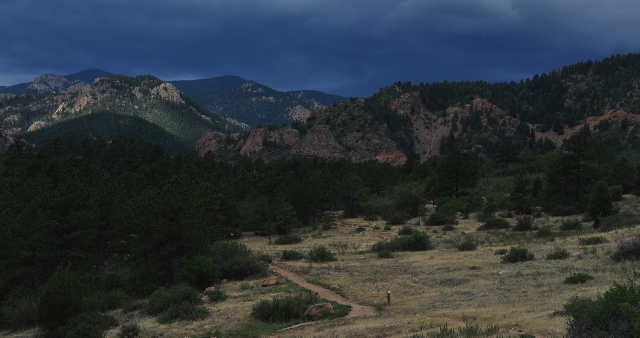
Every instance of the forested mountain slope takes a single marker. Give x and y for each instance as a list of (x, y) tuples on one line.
[(144, 97), (431, 119), (253, 103)]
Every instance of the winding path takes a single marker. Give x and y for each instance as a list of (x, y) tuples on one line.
[(357, 310)]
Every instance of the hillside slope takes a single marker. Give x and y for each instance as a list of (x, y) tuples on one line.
[(426, 120), (253, 103), (145, 97)]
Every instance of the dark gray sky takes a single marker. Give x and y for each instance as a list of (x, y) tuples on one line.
[(347, 47)]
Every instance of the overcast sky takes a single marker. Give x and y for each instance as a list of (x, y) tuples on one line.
[(346, 47)]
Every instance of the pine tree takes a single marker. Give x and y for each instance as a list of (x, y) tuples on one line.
[(60, 300), (600, 203)]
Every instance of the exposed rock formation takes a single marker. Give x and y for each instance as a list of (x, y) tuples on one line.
[(5, 140), (54, 83)]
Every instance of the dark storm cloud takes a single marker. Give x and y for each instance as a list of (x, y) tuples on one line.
[(345, 47)]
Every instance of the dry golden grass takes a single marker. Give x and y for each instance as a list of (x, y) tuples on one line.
[(430, 288)]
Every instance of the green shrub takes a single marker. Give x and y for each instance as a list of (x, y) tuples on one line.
[(89, 325), (517, 254), (406, 231), (60, 300), (131, 330), (494, 223), (614, 314), (328, 221), (544, 232), (571, 224), (387, 227), (501, 252), (235, 261), (360, 228), (288, 239), (593, 240), (283, 309), (618, 221), (557, 254), (627, 250), (18, 314), (180, 302), (199, 272), (291, 255), (524, 223), (448, 228), (321, 254), (616, 191), (398, 218), (467, 245), (440, 218), (370, 217), (578, 278), (385, 254), (105, 301), (217, 296), (418, 241)]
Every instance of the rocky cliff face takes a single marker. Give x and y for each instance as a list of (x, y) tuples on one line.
[(269, 144), (54, 83), (5, 140)]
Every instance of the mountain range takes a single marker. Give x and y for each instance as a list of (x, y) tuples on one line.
[(401, 121)]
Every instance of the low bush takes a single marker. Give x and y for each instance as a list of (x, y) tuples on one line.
[(562, 210), (557, 254), (593, 240), (440, 218), (291, 255), (494, 223), (105, 301), (628, 250), (360, 228), (615, 192), (199, 272), (618, 220), (501, 252), (180, 302), (448, 228), (130, 330), (385, 254), (467, 245), (578, 278), (288, 239), (398, 218), (235, 261), (283, 309), (321, 254), (387, 227), (406, 231), (517, 254), (544, 232), (88, 325), (571, 224), (524, 223), (614, 314), (418, 241), (217, 296), (18, 314)]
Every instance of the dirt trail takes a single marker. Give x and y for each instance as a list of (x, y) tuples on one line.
[(357, 310)]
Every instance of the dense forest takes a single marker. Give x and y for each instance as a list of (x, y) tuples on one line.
[(125, 217)]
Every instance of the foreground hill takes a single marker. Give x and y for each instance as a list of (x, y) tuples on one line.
[(253, 103), (144, 97), (425, 120)]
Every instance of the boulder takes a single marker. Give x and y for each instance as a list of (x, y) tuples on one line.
[(317, 310), (209, 290), (273, 280)]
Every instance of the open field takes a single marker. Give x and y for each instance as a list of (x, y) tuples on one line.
[(429, 289), (432, 288)]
